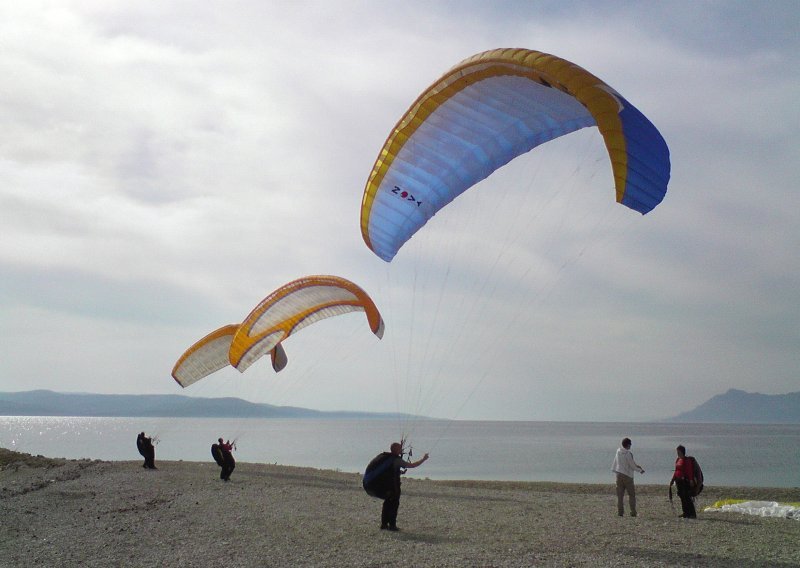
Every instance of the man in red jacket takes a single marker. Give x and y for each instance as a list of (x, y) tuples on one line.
[(684, 479)]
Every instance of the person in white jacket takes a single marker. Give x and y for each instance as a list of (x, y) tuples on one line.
[(623, 467)]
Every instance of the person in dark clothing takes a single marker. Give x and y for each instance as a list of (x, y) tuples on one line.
[(684, 479), (391, 503), (140, 446), (228, 463), (146, 448)]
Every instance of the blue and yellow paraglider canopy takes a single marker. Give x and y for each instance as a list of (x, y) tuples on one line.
[(483, 113)]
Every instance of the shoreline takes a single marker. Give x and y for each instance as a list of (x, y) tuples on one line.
[(101, 513)]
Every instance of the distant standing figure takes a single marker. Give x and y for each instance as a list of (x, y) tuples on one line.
[(391, 501), (684, 479), (223, 454), (623, 467), (146, 448)]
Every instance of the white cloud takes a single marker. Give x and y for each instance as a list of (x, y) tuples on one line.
[(166, 166)]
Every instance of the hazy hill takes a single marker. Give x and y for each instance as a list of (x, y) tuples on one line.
[(732, 406), (746, 407), (49, 403)]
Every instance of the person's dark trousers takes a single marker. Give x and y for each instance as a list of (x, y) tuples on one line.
[(229, 464), (390, 507), (687, 503)]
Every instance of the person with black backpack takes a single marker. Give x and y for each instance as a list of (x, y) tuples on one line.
[(382, 480), (222, 452), (148, 451), (688, 481)]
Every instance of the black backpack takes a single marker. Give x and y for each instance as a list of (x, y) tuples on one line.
[(378, 477), (216, 453), (697, 484)]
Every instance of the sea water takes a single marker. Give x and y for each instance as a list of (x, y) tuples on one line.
[(755, 455)]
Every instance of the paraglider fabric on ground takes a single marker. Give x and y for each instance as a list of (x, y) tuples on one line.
[(758, 508)]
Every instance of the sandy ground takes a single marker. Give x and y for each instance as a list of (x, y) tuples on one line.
[(95, 513)]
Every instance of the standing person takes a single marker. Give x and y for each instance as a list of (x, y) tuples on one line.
[(140, 446), (150, 450), (146, 448), (228, 463), (684, 479), (623, 467), (391, 501)]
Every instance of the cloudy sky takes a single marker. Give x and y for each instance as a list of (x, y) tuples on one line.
[(166, 165)]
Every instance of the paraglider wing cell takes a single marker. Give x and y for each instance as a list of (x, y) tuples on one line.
[(258, 349), (208, 355)]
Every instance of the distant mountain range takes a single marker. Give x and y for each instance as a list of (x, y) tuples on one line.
[(732, 407), (746, 408), (49, 403)]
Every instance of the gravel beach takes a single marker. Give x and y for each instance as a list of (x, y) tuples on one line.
[(59, 512)]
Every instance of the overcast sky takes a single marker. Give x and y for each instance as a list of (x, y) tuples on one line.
[(166, 165)]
